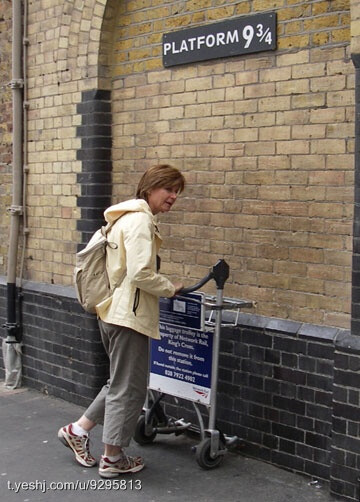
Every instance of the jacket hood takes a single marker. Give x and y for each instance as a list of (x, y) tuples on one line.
[(133, 205)]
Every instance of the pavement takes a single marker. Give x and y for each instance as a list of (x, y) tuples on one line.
[(36, 467)]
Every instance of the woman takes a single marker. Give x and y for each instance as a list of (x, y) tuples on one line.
[(126, 320)]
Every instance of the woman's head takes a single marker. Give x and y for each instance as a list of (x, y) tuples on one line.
[(160, 176), (160, 186)]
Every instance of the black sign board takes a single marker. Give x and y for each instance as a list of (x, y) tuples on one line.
[(185, 310), (243, 35)]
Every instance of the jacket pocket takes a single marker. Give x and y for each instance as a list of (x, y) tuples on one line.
[(136, 301)]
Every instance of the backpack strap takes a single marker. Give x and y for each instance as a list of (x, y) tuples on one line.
[(106, 228), (104, 231)]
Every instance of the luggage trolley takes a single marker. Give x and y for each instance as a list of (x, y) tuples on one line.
[(213, 445)]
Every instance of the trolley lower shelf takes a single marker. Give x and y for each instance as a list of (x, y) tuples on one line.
[(212, 447)]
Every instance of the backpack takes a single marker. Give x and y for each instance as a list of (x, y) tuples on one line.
[(91, 280)]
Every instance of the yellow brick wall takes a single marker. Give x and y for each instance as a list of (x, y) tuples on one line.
[(63, 61), (265, 140)]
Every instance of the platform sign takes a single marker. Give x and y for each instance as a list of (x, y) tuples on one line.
[(231, 37), (180, 363)]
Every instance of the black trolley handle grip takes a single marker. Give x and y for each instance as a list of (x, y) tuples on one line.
[(219, 272), (196, 286)]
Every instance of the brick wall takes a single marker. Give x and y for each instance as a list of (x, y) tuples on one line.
[(345, 457), (284, 405), (265, 141), (62, 350), (95, 156), (63, 62), (275, 392)]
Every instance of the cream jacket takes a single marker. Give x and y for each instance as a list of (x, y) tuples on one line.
[(131, 264)]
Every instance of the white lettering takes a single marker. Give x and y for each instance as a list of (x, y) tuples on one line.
[(183, 46), (220, 38), (167, 47), (18, 486), (191, 42), (200, 41), (231, 38), (196, 43), (210, 40)]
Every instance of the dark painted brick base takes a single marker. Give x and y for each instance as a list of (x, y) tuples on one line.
[(345, 456), (62, 350), (275, 391), (95, 156), (282, 394), (291, 391)]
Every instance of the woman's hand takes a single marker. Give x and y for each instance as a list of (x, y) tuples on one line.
[(178, 286)]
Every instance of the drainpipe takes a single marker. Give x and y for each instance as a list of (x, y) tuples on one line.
[(16, 209)]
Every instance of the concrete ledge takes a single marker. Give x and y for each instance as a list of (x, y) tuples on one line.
[(346, 342), (41, 287)]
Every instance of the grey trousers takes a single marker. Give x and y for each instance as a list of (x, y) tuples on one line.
[(119, 403)]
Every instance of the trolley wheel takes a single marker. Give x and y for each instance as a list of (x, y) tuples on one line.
[(139, 435), (203, 457)]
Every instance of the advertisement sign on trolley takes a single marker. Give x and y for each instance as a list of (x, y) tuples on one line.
[(180, 363)]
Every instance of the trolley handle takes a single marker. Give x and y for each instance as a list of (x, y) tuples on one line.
[(220, 274), (196, 286)]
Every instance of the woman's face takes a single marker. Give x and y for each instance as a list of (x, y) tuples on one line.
[(161, 200)]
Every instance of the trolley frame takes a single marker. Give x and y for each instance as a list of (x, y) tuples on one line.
[(213, 445)]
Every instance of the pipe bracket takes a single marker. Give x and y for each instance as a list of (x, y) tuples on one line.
[(16, 83), (12, 330), (15, 210)]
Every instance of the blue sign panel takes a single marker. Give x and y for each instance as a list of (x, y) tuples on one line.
[(181, 363), (186, 310)]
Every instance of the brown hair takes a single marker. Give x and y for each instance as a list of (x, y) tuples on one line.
[(160, 176)]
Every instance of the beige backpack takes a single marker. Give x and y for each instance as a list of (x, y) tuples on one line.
[(91, 279)]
